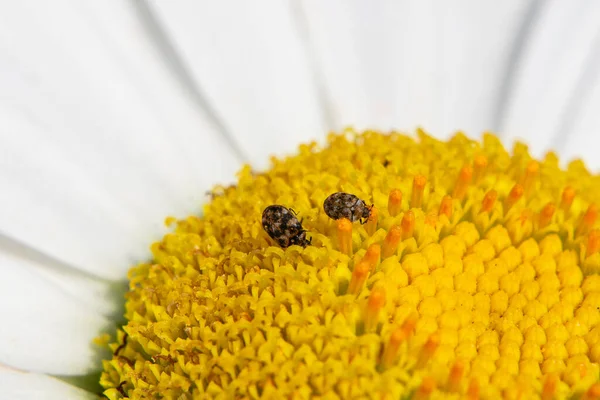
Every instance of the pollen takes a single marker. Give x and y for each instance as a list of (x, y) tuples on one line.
[(481, 283)]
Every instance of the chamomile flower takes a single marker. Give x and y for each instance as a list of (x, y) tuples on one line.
[(114, 115)]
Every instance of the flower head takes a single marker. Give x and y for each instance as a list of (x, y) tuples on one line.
[(475, 275)]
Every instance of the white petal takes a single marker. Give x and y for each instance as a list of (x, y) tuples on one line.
[(398, 64), (584, 140), (562, 40), (101, 296), (17, 385), (99, 137), (43, 328), (250, 61)]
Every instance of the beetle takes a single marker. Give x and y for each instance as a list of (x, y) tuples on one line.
[(345, 205), (282, 225)]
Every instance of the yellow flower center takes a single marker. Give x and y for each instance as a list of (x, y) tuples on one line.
[(475, 276)]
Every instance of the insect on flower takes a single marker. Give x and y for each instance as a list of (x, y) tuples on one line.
[(345, 205), (283, 227)]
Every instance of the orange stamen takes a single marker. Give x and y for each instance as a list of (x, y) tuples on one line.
[(359, 277), (428, 349), (568, 195), (515, 194), (593, 393), (374, 306), (526, 215), (521, 388), (391, 350), (394, 202), (431, 219), (371, 225), (463, 182), (456, 375), (479, 165), (410, 323), (549, 389), (588, 220), (593, 245), (473, 390), (416, 199), (530, 174), (446, 206), (488, 201), (344, 231), (391, 241), (408, 225), (425, 389), (546, 215), (372, 255)]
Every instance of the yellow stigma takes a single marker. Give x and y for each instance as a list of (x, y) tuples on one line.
[(391, 241), (567, 197), (417, 191), (482, 284), (395, 202), (462, 183), (546, 215), (344, 233), (480, 163), (446, 206), (455, 377), (374, 306), (408, 224), (372, 255), (488, 201), (359, 277), (371, 225)]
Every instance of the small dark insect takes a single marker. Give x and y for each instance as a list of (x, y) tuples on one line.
[(283, 227), (122, 345), (346, 205), (120, 389)]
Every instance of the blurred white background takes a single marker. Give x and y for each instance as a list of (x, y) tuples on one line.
[(267, 75)]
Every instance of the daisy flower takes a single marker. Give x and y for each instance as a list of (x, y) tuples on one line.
[(474, 274)]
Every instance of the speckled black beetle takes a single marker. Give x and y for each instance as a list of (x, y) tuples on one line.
[(346, 205), (283, 227)]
